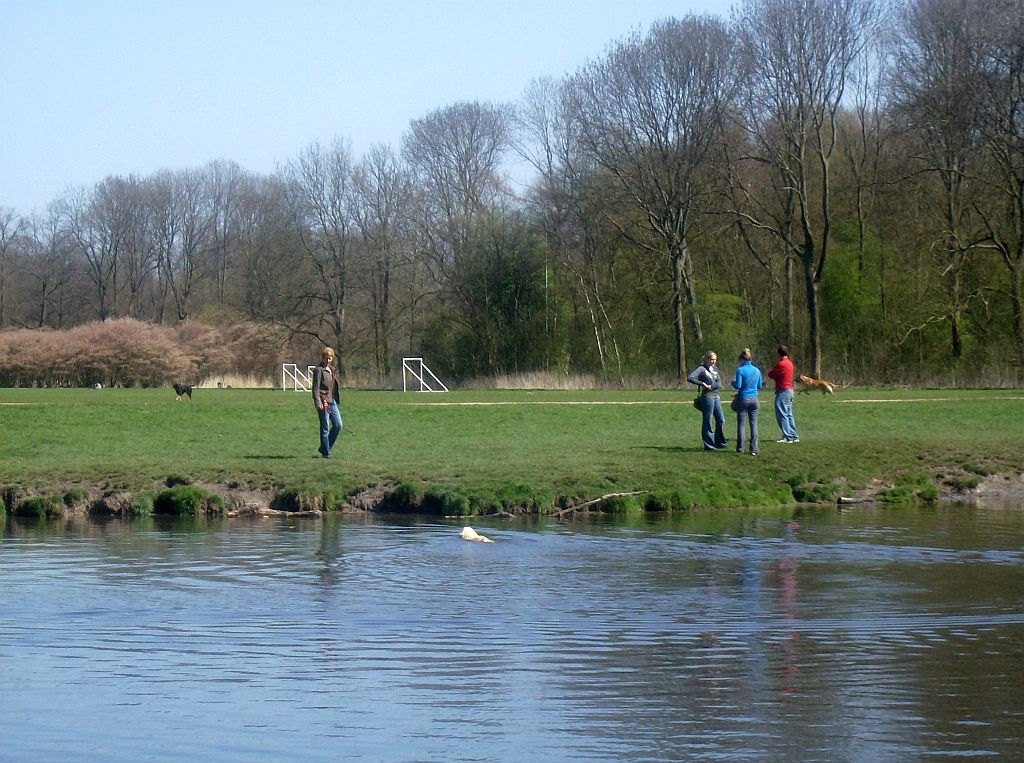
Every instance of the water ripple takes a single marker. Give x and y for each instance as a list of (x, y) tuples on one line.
[(282, 640)]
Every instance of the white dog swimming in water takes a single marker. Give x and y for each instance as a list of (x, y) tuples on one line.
[(468, 533)]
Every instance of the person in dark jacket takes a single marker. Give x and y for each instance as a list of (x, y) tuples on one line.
[(326, 399), (709, 382)]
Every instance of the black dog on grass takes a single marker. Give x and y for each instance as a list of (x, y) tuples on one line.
[(183, 389)]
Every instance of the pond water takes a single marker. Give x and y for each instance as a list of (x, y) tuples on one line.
[(866, 634)]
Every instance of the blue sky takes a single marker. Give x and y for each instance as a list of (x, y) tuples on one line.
[(91, 88)]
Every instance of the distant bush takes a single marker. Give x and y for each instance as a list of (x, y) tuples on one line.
[(130, 353)]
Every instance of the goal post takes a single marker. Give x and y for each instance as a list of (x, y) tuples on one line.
[(422, 377), (294, 378)]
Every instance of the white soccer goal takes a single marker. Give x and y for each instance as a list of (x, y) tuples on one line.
[(417, 369), (294, 378)]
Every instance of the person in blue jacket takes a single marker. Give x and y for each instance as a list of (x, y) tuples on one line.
[(748, 381)]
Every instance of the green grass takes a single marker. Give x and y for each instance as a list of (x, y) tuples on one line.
[(535, 450)]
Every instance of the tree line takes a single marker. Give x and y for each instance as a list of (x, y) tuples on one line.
[(843, 176)]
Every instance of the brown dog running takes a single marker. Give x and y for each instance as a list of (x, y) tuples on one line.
[(810, 383)]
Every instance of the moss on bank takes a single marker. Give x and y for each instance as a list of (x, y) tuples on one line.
[(189, 500), (46, 506)]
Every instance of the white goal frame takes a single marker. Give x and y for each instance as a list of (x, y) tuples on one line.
[(294, 378), (416, 368)]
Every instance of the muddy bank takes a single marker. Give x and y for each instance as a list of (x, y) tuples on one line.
[(178, 496)]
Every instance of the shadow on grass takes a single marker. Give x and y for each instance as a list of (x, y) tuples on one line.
[(670, 448)]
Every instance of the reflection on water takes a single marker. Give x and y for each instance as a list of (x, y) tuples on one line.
[(869, 634)]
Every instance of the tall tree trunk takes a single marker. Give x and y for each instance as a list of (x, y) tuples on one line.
[(677, 306), (691, 296), (956, 339), (1017, 295), (813, 311), (595, 325), (790, 300), (384, 320)]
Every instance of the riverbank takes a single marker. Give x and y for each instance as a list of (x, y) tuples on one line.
[(486, 453)]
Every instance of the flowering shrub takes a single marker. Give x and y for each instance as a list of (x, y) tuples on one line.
[(131, 353)]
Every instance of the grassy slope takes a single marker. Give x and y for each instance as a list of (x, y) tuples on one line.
[(576, 444)]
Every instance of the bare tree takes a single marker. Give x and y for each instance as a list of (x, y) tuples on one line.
[(226, 181), (935, 76), (650, 113), (139, 254), (99, 222), (456, 157), (382, 193), (11, 227), (864, 131), (266, 245), (318, 189), (457, 154), (49, 268), (798, 57), (1001, 120), (183, 225), (564, 203)]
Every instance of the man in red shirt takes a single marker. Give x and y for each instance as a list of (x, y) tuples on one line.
[(782, 373)]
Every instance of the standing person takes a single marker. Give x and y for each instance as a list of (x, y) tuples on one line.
[(748, 381), (708, 380), (782, 373), (326, 397)]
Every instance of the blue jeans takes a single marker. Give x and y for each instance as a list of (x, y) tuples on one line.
[(711, 407), (784, 413), (748, 408), (330, 427)]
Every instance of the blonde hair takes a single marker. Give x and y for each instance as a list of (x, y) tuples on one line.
[(709, 355), (746, 354), (328, 352)]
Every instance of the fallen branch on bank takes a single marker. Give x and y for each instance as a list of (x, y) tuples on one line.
[(585, 504)]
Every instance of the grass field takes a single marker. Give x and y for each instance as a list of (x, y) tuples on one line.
[(477, 452)]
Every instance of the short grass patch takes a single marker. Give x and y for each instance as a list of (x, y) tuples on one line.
[(473, 452)]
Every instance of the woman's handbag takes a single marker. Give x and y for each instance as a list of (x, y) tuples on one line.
[(697, 405), (736, 405)]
